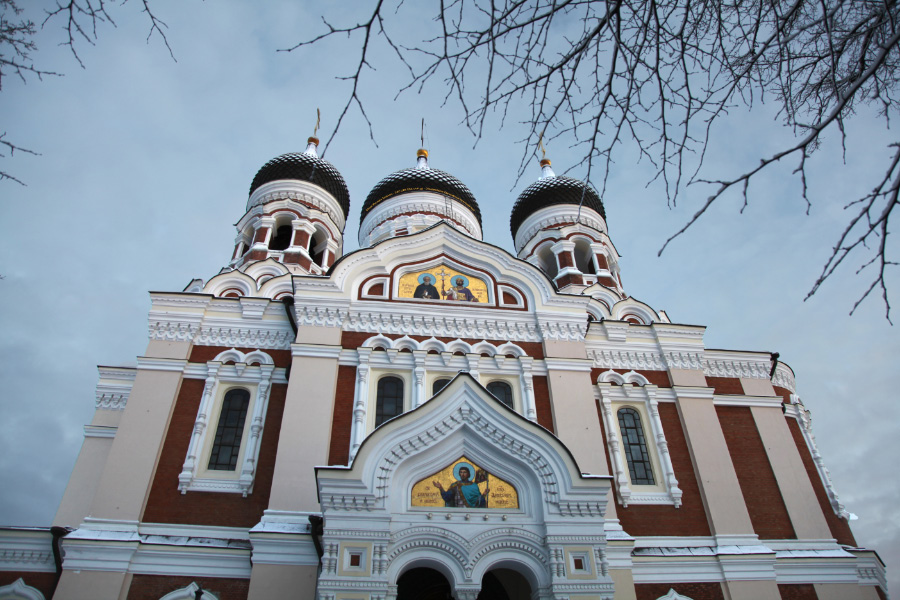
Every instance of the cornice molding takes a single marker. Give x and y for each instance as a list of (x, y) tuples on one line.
[(26, 550), (501, 327)]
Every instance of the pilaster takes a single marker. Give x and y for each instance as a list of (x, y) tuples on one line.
[(719, 487)]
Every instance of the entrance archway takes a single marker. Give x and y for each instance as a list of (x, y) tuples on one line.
[(504, 584), (423, 583)]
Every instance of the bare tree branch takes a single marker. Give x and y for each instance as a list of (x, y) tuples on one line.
[(660, 74), (80, 18)]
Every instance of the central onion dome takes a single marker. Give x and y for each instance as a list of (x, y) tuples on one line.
[(552, 189), (306, 166), (421, 178), (415, 198)]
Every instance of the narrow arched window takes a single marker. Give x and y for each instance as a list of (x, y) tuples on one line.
[(635, 447), (227, 444), (502, 392), (389, 400), (438, 385)]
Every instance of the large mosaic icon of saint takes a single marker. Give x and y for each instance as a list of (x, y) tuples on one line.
[(442, 283), (464, 485)]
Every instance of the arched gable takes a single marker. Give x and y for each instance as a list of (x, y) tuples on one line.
[(374, 497)]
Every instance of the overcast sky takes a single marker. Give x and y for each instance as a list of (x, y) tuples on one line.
[(145, 165)]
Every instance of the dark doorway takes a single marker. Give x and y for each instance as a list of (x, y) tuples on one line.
[(504, 584), (423, 584)]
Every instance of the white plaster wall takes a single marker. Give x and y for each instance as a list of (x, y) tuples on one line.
[(280, 581), (79, 495), (126, 480), (305, 433), (92, 585)]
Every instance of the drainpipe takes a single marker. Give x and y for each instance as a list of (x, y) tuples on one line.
[(317, 529), (58, 534)]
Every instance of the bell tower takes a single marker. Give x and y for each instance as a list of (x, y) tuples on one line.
[(296, 214), (558, 223)]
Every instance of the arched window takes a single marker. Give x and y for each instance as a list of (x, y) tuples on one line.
[(439, 384), (502, 392), (584, 259), (635, 447), (317, 247), (282, 237), (548, 261), (227, 444), (389, 401)]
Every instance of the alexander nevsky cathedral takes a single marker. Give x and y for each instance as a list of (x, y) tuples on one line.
[(431, 417)]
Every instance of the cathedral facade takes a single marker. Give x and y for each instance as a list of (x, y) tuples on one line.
[(431, 417)]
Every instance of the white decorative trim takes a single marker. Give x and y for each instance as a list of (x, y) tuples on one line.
[(189, 593), (315, 351), (784, 378), (378, 224), (805, 421), (26, 550), (172, 330), (714, 363), (99, 431), (240, 372), (298, 191), (645, 396), (439, 324), (19, 591), (626, 359), (552, 217), (277, 337), (153, 363), (114, 387)]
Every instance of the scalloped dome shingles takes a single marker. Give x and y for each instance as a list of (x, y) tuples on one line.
[(415, 179), (548, 191), (296, 165)]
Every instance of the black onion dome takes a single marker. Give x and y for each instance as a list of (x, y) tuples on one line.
[(305, 167), (419, 179), (548, 191)]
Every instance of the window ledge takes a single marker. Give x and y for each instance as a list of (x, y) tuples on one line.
[(198, 484)]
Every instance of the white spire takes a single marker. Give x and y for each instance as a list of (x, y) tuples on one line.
[(546, 170), (422, 160), (313, 144)]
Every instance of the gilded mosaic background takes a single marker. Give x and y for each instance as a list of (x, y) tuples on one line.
[(463, 484), (442, 283)]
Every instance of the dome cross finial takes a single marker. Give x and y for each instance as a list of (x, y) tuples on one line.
[(546, 171)]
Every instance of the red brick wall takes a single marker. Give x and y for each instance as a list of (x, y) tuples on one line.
[(342, 419), (167, 505), (652, 519), (154, 587), (768, 514), (696, 591), (725, 385), (797, 591), (840, 529), (542, 402), (203, 354), (43, 581), (784, 393), (569, 279)]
